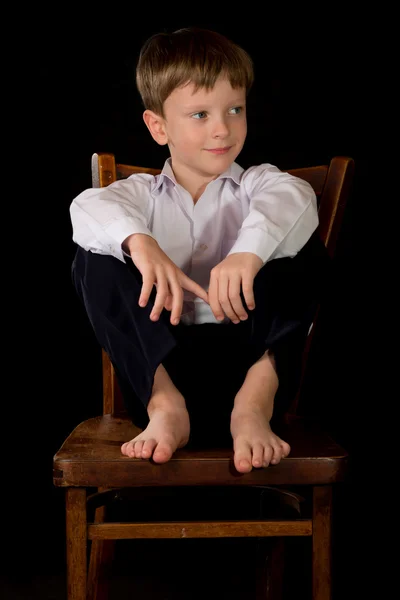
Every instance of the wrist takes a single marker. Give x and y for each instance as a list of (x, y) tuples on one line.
[(136, 240)]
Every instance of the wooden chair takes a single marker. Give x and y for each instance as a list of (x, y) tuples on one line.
[(91, 468)]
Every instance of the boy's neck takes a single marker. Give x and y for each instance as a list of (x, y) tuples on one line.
[(193, 183)]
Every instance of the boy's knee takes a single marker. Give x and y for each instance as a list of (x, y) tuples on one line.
[(91, 269)]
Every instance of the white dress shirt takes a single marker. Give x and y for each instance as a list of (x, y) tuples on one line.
[(261, 210)]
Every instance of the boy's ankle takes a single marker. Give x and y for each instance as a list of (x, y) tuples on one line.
[(166, 401)]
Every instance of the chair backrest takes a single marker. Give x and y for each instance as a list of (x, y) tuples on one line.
[(331, 183)]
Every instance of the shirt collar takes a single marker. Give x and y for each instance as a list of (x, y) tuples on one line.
[(234, 172)]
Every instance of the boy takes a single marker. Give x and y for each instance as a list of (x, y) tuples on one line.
[(192, 280)]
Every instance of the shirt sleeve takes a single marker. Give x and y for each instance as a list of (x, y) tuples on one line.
[(102, 218), (282, 216)]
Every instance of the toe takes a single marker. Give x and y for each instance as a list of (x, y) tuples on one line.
[(162, 453), (285, 449), (277, 454), (130, 449), (258, 455), (138, 449), (125, 448), (242, 458), (268, 452), (148, 448)]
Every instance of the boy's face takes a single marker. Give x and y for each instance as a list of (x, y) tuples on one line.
[(205, 130)]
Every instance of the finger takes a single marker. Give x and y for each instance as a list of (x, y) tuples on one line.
[(213, 298), (168, 302), (248, 293), (192, 286), (162, 293), (147, 287), (223, 283), (234, 296), (177, 300)]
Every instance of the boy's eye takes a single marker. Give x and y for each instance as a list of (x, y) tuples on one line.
[(236, 110), (200, 115)]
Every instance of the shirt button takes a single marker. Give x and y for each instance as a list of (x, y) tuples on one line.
[(203, 247)]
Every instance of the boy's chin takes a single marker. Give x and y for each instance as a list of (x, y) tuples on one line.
[(216, 162)]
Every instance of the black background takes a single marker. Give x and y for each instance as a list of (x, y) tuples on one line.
[(312, 100)]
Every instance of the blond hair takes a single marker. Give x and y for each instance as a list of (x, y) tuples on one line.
[(191, 55)]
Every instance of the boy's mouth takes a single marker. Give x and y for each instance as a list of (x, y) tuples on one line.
[(219, 150)]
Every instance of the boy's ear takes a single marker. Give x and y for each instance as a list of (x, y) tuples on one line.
[(156, 125)]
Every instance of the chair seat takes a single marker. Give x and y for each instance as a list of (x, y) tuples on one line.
[(91, 457)]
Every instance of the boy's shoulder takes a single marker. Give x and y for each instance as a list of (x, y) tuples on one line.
[(152, 181), (262, 169), (258, 174)]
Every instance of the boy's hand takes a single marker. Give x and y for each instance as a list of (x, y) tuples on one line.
[(158, 269), (235, 273)]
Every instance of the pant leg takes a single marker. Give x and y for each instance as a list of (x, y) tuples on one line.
[(287, 293), (109, 290)]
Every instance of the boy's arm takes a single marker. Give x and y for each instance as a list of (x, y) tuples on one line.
[(102, 218), (282, 215)]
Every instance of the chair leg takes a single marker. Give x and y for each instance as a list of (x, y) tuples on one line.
[(321, 543), (101, 559), (76, 526), (275, 571), (270, 569)]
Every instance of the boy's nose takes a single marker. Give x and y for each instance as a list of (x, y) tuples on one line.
[(221, 129)]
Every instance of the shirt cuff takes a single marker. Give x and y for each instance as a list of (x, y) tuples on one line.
[(120, 229), (255, 241)]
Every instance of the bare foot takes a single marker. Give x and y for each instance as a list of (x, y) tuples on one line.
[(254, 443), (169, 425)]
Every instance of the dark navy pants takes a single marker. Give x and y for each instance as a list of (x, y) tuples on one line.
[(208, 362)]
